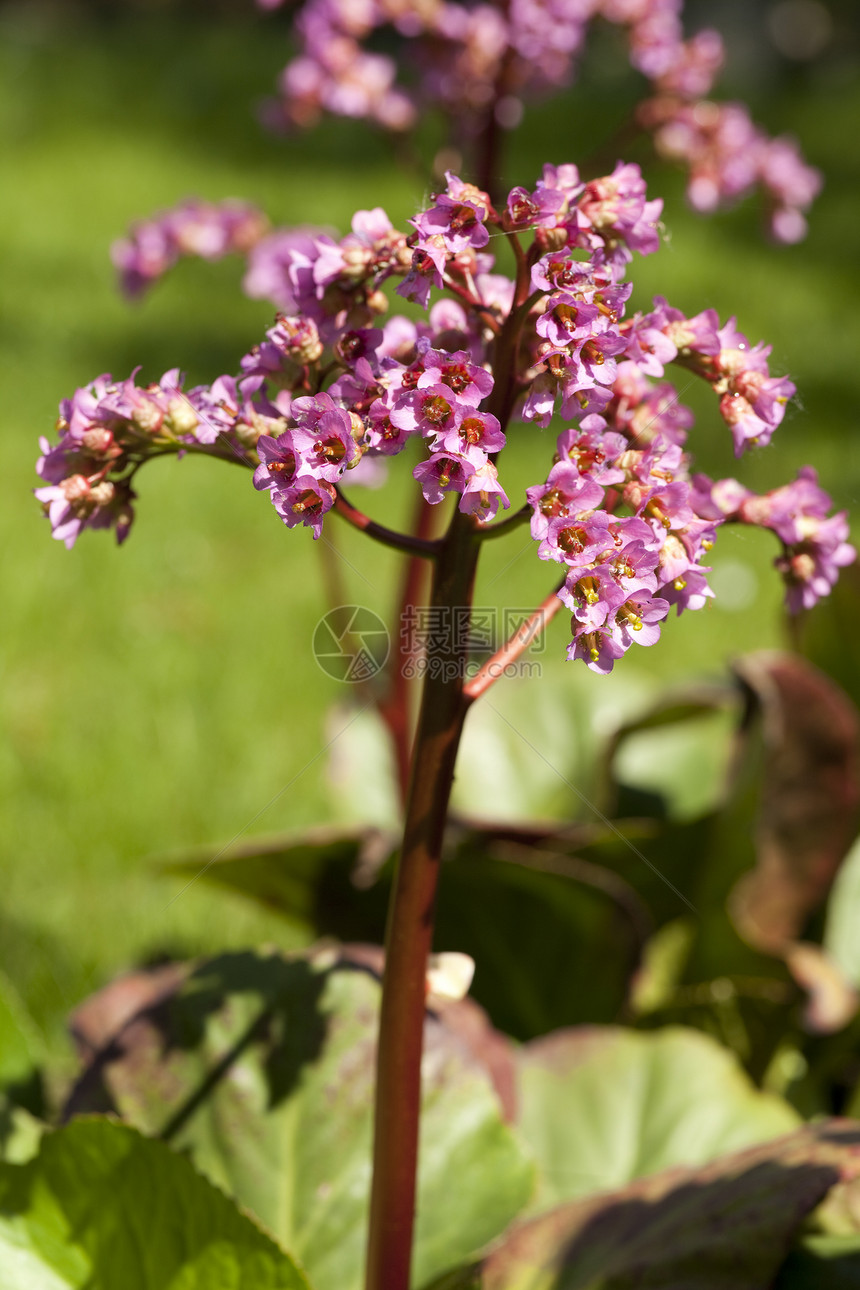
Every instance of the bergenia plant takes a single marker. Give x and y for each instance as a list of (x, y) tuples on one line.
[(550, 353), (477, 64)]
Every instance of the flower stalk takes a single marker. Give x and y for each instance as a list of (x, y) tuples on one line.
[(409, 933)]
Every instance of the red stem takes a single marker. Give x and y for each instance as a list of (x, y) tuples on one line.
[(409, 934), (468, 297), (410, 927), (388, 537), (501, 528), (522, 638)]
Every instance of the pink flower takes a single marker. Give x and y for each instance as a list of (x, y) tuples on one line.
[(305, 501), (483, 493), (441, 473)]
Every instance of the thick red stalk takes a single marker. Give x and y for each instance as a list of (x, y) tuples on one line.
[(409, 933)]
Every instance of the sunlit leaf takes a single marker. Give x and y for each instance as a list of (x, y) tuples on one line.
[(20, 1133), (262, 1068), (601, 1106), (843, 916), (677, 747), (101, 1207)]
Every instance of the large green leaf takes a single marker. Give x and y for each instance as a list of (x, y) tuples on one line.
[(102, 1208), (602, 1106), (758, 872), (535, 920), (675, 750), (262, 1068), (829, 637), (564, 908), (725, 1226)]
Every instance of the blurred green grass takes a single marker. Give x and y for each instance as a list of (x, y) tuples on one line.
[(165, 695)]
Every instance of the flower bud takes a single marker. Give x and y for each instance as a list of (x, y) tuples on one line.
[(102, 494), (97, 440), (356, 261), (377, 302), (147, 416), (550, 239), (305, 345), (358, 430), (75, 489), (182, 417)]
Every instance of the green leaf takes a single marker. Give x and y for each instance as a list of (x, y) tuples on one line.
[(262, 1069), (22, 1052), (843, 912), (322, 879), (828, 636), (535, 921), (20, 1133), (565, 909), (677, 748), (102, 1208), (602, 1106), (725, 1226)]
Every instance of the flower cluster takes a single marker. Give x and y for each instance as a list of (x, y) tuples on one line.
[(108, 429), (210, 230), (728, 156), (814, 545), (336, 384), (476, 61)]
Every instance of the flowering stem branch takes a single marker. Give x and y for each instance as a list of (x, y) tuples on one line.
[(471, 299), (218, 452), (522, 638), (501, 527), (388, 537), (410, 926)]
